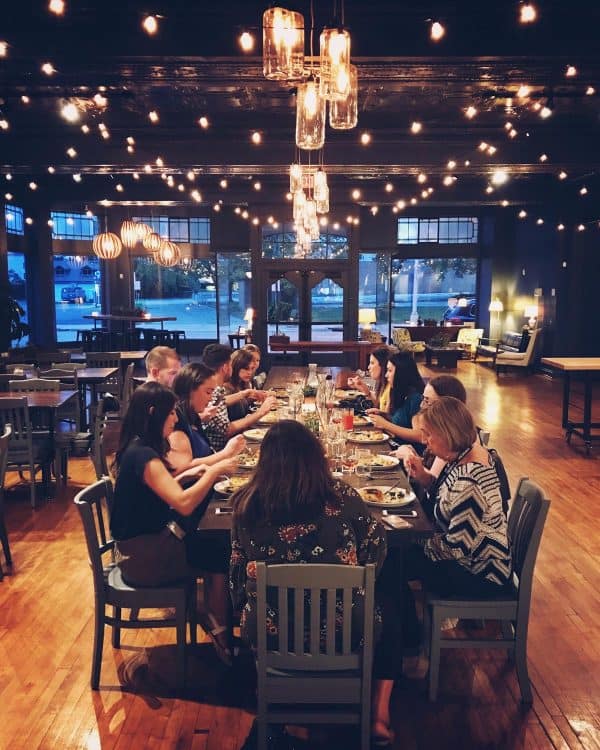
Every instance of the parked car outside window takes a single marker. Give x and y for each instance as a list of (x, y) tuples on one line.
[(459, 315), (72, 293)]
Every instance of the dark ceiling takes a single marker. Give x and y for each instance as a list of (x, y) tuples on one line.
[(193, 67)]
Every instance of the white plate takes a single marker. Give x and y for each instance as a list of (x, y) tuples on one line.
[(386, 462), (269, 418), (342, 394), (256, 433), (367, 437), (396, 502), (246, 463), (224, 487)]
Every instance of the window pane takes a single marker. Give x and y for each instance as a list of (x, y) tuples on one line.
[(428, 230), (421, 288), (14, 219), (373, 285), (282, 309), (18, 289), (186, 292), (281, 243), (446, 230), (76, 293), (408, 231), (235, 283), (327, 305), (179, 230), (71, 226)]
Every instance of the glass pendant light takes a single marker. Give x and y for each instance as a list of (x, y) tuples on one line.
[(321, 192), (343, 113), (295, 178), (334, 63), (168, 254), (283, 44), (310, 116), (299, 204)]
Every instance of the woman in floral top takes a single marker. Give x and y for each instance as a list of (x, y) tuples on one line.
[(294, 511)]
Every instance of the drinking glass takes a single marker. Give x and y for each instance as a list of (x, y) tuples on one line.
[(349, 462), (348, 419), (362, 461)]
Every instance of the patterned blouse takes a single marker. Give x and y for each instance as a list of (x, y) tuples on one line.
[(345, 534), (468, 509), (216, 427)]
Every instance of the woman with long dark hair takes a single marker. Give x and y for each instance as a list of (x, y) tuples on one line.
[(380, 395), (406, 395), (240, 382), (194, 385), (153, 547), (293, 510)]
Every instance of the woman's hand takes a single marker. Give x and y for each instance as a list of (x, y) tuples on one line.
[(373, 410), (404, 452), (416, 470), (208, 413), (256, 395), (379, 421), (359, 384), (269, 403), (234, 446), (228, 465)]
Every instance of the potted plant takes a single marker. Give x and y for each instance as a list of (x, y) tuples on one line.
[(12, 327)]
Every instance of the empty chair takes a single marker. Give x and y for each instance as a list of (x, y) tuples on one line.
[(71, 366), (24, 368), (4, 440), (308, 677), (114, 384), (26, 449), (35, 385), (528, 513), (110, 590)]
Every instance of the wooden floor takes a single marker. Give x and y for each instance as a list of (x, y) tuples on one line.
[(46, 624)]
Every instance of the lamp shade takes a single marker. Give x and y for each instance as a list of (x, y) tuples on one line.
[(143, 230), (168, 254), (152, 242), (107, 246), (531, 311), (335, 63), (249, 316), (129, 233), (367, 316), (343, 112), (496, 305), (283, 44)]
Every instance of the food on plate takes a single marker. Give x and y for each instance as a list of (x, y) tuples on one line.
[(360, 421), (270, 418), (256, 433), (231, 485), (343, 394), (247, 460), (372, 494), (379, 461), (367, 436), (386, 495)]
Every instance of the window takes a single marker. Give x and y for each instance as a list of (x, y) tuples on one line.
[(281, 243), (421, 289), (76, 293), (187, 292), (444, 231), (14, 219), (179, 228), (70, 226), (374, 285), (18, 288), (235, 285)]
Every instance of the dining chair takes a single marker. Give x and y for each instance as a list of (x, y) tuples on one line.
[(67, 378), (4, 442), (35, 385), (110, 590), (107, 429), (114, 384), (26, 449), (71, 366), (6, 377), (127, 388), (529, 509), (305, 677), (22, 368)]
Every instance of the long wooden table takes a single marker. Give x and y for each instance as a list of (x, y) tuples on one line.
[(419, 527), (132, 319), (362, 348), (587, 368)]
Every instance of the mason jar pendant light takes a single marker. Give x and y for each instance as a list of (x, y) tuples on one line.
[(334, 68), (321, 192), (295, 177), (310, 116), (343, 113), (283, 44)]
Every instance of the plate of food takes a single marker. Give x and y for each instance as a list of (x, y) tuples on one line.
[(379, 461), (256, 433), (345, 394), (367, 436), (269, 418), (386, 496), (361, 421), (247, 460), (229, 486)]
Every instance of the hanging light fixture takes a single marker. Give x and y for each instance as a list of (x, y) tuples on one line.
[(143, 230), (152, 242), (321, 192), (296, 174), (310, 116), (107, 246), (334, 71), (283, 44), (129, 233), (168, 254), (343, 113)]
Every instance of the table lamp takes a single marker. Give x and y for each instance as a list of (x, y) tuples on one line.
[(366, 317), (249, 317), (531, 312)]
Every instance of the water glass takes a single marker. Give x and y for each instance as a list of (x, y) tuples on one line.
[(362, 462), (349, 462)]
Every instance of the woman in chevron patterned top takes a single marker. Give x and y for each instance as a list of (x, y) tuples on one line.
[(470, 553)]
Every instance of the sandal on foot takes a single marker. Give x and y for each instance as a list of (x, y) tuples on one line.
[(213, 630)]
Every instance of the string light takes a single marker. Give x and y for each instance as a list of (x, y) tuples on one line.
[(571, 71), (57, 7), (203, 122), (256, 138), (527, 13), (437, 31), (3, 48), (365, 138), (153, 116), (416, 127), (523, 92), (48, 69), (246, 41), (150, 25), (470, 112)]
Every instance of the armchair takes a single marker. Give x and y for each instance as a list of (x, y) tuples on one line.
[(402, 339), (511, 350)]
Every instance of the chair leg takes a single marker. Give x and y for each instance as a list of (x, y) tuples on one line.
[(116, 631), (4, 540), (434, 653), (521, 664), (508, 633), (181, 660), (98, 647)]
